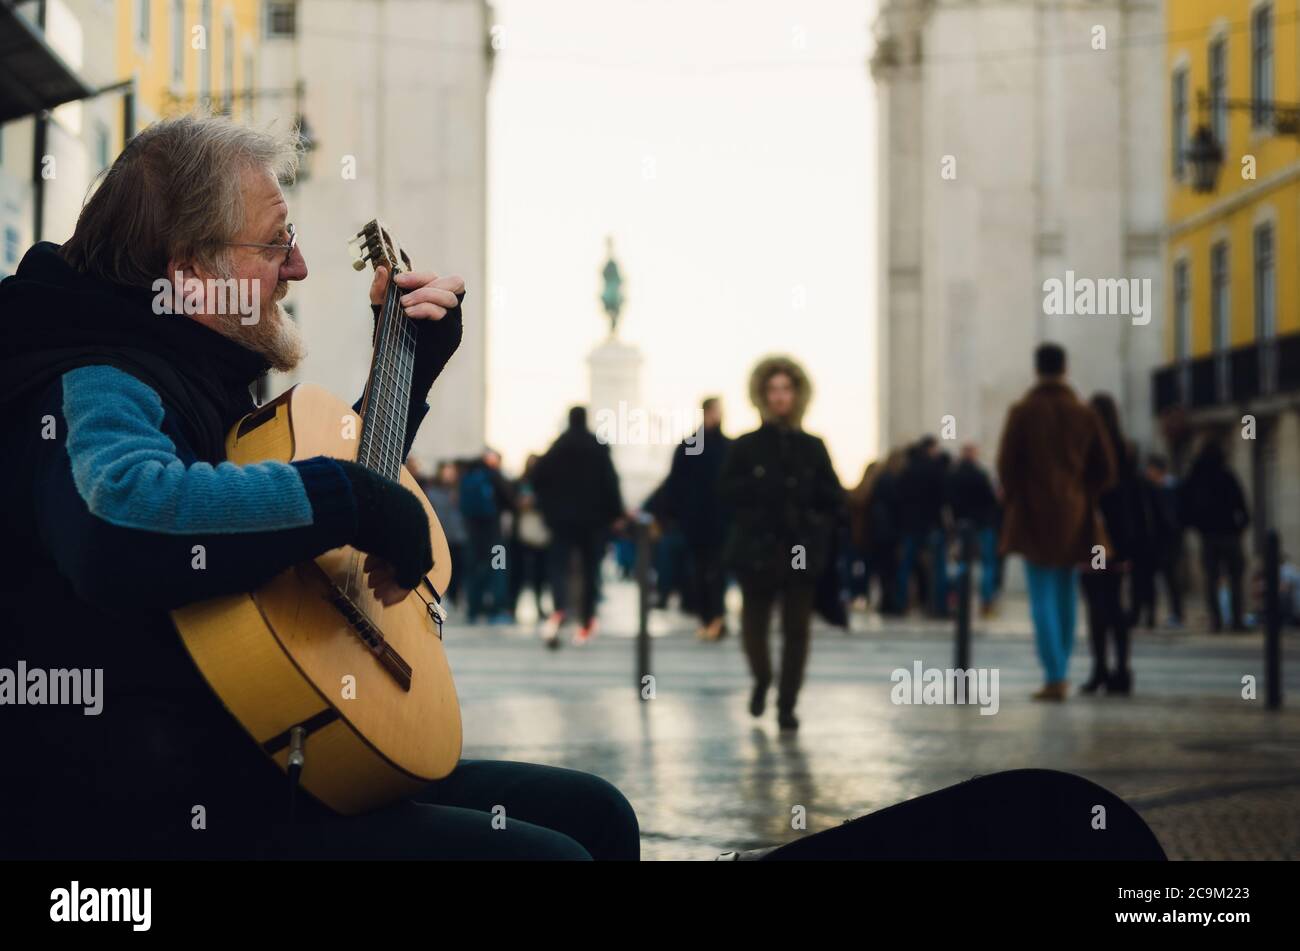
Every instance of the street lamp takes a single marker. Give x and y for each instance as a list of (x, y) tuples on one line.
[(307, 142), (1205, 156), (1205, 153)]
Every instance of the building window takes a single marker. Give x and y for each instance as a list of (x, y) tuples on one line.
[(281, 19), (205, 55), (1219, 90), (1183, 331), (1182, 312), (11, 246), (228, 66), (1265, 312), (1265, 316), (1220, 328), (178, 42), (1220, 313), (249, 82), (1261, 65), (142, 22), (1179, 120)]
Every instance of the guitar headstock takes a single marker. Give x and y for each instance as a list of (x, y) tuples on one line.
[(375, 244)]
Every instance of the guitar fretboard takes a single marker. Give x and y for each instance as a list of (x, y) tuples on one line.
[(388, 391)]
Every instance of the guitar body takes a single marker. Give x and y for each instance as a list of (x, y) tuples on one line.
[(288, 656)]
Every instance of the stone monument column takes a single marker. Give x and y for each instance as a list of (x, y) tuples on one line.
[(615, 411)]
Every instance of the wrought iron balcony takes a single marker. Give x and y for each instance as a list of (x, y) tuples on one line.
[(1231, 376)]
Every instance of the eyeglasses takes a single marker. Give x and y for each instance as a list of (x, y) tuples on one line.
[(286, 248)]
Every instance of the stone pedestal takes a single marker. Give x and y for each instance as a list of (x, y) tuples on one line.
[(615, 410)]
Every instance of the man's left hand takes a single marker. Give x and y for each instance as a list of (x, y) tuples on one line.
[(425, 295)]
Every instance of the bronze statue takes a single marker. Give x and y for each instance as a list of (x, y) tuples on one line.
[(612, 296)]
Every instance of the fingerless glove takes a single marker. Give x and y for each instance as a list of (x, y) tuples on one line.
[(390, 523)]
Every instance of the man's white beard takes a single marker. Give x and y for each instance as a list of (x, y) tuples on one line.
[(276, 337)]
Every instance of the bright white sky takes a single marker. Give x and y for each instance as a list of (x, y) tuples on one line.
[(728, 146)]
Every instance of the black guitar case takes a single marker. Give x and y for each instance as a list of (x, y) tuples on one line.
[(1020, 814)]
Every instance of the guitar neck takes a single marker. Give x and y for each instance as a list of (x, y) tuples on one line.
[(388, 389)]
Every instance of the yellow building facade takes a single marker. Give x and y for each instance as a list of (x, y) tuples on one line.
[(1233, 318), (191, 53)]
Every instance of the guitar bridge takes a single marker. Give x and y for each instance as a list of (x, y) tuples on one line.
[(361, 625)]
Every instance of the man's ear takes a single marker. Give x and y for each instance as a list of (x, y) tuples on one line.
[(186, 281), (184, 268)]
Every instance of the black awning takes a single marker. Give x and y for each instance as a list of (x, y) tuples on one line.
[(32, 76)]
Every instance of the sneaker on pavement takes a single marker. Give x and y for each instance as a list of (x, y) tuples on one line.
[(551, 629), (585, 633)]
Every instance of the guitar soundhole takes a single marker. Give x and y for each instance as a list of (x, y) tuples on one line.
[(255, 419)]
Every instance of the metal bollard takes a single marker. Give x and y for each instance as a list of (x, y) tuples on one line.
[(1272, 622), (966, 556), (641, 527)]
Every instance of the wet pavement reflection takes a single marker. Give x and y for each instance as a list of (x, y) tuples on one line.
[(1215, 776)]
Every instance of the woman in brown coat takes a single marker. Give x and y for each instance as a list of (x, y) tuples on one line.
[(1053, 463)]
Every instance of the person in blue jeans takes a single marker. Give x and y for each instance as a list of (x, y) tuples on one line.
[(972, 501), (1054, 462), (484, 496)]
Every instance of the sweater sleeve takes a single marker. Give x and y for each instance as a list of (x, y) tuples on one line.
[(135, 522)]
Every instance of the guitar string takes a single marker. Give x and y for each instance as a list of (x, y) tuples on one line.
[(394, 367), (370, 454), (384, 433)]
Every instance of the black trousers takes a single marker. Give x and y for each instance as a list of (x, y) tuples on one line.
[(1107, 620), (483, 810), (589, 547), (528, 572), (796, 620), (1146, 572), (1222, 553), (709, 582)]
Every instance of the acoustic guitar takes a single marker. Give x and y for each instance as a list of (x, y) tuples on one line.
[(353, 699)]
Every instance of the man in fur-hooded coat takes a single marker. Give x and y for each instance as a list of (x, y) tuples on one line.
[(785, 499)]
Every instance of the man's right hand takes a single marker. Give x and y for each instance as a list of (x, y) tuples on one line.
[(392, 529)]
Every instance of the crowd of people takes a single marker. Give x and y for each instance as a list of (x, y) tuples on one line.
[(508, 536), (1068, 492)]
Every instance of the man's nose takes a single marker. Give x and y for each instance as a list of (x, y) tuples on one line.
[(295, 269)]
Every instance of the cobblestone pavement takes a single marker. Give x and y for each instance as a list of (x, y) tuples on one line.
[(1216, 776)]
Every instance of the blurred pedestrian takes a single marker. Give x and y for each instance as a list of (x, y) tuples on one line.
[(443, 493), (1053, 463), (1121, 508), (785, 500), (921, 500), (484, 498), (885, 536), (578, 491), (1212, 502), (972, 501), (858, 568), (531, 540), (1163, 556), (689, 500)]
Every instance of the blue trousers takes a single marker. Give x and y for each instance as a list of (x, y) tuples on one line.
[(1051, 603), (937, 543), (988, 543), (482, 580)]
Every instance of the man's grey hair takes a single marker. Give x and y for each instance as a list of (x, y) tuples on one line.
[(175, 193)]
